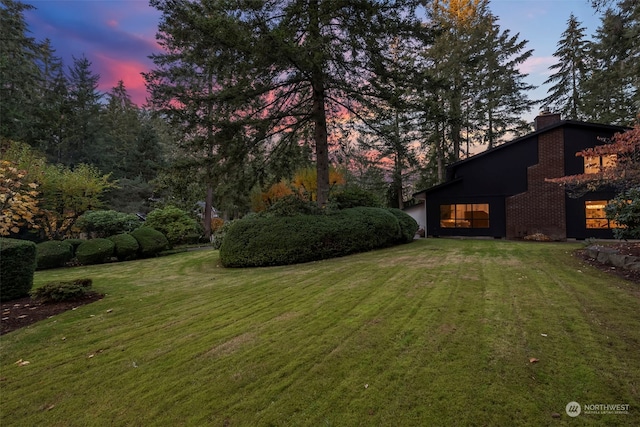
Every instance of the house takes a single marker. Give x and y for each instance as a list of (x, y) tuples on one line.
[(502, 193)]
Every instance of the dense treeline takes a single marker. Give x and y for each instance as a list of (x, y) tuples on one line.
[(246, 94)]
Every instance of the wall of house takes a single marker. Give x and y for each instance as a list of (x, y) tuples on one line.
[(418, 212)]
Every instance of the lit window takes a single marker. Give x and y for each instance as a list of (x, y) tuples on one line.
[(596, 216), (474, 215), (597, 164)]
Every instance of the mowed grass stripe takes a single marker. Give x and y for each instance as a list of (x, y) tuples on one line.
[(438, 332)]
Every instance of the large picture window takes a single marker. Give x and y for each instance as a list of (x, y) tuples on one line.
[(474, 215), (596, 216)]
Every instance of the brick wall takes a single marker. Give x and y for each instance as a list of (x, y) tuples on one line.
[(541, 209)]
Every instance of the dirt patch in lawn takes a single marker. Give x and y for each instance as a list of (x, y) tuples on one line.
[(23, 312)]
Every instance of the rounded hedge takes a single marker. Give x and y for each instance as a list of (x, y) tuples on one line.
[(75, 243), (17, 265), (408, 225), (151, 241), (174, 223), (126, 246), (95, 251), (53, 254), (262, 241)]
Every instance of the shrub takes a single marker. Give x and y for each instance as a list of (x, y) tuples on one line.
[(95, 251), (53, 254), (61, 291), (625, 210), (107, 223), (262, 241), (126, 246), (218, 236), (290, 206), (408, 225), (353, 197), (177, 226), (17, 265), (151, 241), (75, 243)]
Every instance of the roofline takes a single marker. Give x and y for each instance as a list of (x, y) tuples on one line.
[(515, 141)]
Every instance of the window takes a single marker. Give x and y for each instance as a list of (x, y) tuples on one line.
[(597, 164), (464, 216), (596, 216)]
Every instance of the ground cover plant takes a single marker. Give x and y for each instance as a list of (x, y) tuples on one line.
[(438, 332)]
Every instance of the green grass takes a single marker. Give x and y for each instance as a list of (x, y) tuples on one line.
[(435, 333)]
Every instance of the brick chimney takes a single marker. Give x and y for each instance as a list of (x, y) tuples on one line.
[(546, 118)]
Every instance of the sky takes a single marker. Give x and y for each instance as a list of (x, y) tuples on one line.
[(118, 36)]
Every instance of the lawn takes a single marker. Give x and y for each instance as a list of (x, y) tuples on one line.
[(439, 332)]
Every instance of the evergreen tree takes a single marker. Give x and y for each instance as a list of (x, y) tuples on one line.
[(122, 129), (500, 91), (82, 140), (572, 53), (19, 75), (611, 91)]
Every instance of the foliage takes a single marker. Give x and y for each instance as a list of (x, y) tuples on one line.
[(126, 246), (177, 225), (305, 182), (67, 194), (18, 199), (623, 175), (408, 225), (53, 292), (107, 223), (220, 234), (290, 206), (353, 197), (625, 210), (95, 251), (53, 254), (260, 201), (151, 241), (17, 266), (262, 241)]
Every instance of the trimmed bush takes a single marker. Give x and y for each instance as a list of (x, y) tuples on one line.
[(177, 225), (126, 246), (261, 241), (75, 243), (352, 198), (53, 254), (62, 291), (408, 225), (107, 223), (17, 265), (95, 251), (151, 241)]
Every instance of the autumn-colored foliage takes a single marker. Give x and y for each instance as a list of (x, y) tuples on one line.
[(18, 199), (305, 182), (622, 174)]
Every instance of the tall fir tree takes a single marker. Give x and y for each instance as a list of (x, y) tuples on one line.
[(82, 142), (565, 96), (611, 90), (19, 75)]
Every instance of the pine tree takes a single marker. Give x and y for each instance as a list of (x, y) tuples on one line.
[(572, 53), (611, 90), (19, 74), (82, 140)]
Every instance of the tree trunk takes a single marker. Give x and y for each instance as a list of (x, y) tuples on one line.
[(208, 204), (319, 113)]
